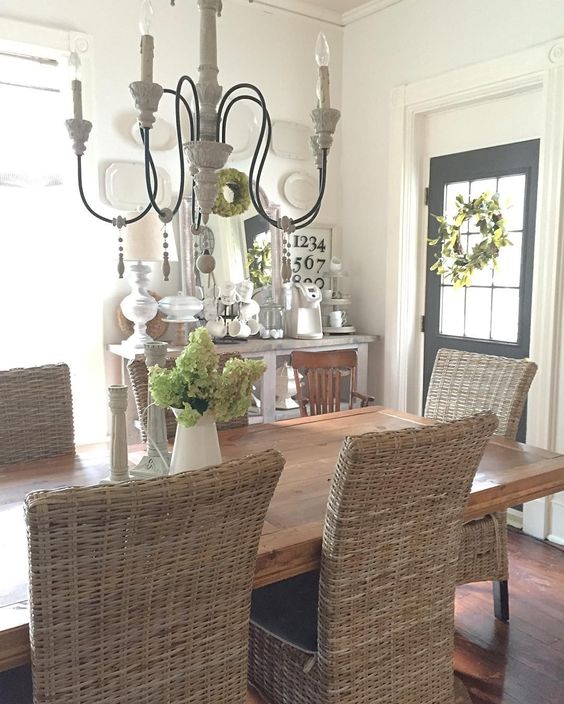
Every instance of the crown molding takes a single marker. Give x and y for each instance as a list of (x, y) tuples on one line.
[(301, 8), (369, 8)]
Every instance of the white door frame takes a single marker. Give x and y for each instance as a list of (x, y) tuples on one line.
[(539, 67)]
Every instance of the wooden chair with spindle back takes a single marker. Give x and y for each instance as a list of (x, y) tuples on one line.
[(323, 374)]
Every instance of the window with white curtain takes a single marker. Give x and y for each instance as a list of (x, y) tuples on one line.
[(48, 312)]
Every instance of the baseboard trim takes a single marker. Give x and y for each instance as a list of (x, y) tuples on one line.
[(515, 518), (556, 539)]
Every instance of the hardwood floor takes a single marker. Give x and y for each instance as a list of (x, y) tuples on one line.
[(521, 662)]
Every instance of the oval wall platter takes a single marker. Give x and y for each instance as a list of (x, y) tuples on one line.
[(291, 140), (300, 190), (125, 185), (242, 131), (163, 135)]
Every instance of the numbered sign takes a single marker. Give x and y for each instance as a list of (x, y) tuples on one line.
[(311, 254)]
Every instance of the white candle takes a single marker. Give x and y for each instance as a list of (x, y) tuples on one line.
[(147, 54), (147, 41), (74, 63), (77, 99), (322, 56)]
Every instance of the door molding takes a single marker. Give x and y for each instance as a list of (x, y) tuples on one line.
[(539, 67)]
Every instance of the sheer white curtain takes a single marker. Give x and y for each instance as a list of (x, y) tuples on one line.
[(50, 309)]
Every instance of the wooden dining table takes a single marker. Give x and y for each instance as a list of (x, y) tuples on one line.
[(510, 473)]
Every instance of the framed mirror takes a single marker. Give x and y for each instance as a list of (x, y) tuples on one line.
[(244, 247)]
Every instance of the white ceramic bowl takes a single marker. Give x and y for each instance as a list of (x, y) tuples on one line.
[(180, 307)]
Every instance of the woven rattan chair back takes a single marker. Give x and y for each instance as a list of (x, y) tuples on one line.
[(390, 547), (323, 374), (36, 417), (140, 385), (140, 592), (464, 383)]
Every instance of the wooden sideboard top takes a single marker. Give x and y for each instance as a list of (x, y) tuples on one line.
[(256, 346)]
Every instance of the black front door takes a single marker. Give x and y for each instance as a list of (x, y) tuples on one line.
[(493, 315)]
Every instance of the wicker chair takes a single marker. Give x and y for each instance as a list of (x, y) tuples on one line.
[(140, 385), (376, 625), (323, 373), (140, 592), (463, 383), (36, 417)]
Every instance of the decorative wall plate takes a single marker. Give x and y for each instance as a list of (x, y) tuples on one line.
[(300, 189), (242, 131), (163, 135), (291, 140), (126, 189), (156, 327)]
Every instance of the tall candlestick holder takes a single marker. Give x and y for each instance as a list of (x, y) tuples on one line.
[(156, 462), (119, 464)]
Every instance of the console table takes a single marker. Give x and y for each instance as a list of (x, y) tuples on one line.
[(269, 351)]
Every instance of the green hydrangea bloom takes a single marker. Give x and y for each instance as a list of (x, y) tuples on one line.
[(194, 384), (233, 396), (167, 387), (188, 417)]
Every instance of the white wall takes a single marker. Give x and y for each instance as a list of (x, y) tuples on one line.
[(271, 49), (404, 43)]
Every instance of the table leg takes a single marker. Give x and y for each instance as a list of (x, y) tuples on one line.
[(268, 397), (501, 600), (362, 369)]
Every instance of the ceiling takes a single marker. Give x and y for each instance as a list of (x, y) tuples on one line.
[(338, 5), (339, 12)]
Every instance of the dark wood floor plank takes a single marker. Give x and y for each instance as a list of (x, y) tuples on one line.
[(521, 662)]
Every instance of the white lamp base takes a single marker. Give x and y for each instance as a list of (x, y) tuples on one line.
[(139, 306)]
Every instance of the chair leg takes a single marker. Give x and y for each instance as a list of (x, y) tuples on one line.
[(501, 600)]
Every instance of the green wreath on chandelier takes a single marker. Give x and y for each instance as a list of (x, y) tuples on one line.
[(452, 261), (238, 184)]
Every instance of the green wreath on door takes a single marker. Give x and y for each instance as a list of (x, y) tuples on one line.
[(452, 261)]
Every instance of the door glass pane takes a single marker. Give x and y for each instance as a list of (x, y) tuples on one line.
[(482, 277), (478, 312), (508, 271), (452, 311), (505, 314), (483, 185), (451, 191), (511, 191)]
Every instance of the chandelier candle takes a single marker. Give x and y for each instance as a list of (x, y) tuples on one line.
[(74, 64), (322, 56), (147, 41), (206, 148)]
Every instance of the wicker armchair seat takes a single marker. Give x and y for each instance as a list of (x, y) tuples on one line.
[(380, 629), (287, 611), (463, 383), (140, 592)]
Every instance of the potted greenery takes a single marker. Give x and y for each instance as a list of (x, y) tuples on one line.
[(199, 394)]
